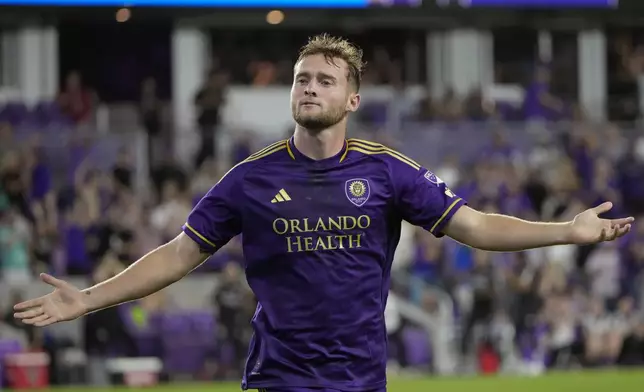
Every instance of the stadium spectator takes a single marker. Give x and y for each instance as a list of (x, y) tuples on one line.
[(242, 146), (122, 171), (42, 198), (9, 321), (523, 279), (630, 177), (482, 284), (450, 107), (230, 299), (562, 343), (429, 264), (382, 67), (394, 325), (632, 266), (80, 245), (6, 138), (405, 251), (615, 144), (167, 170), (426, 109), (624, 66), (173, 207), (540, 103), (105, 332), (262, 73), (15, 238), (13, 184), (600, 342), (603, 270), (477, 107), (202, 181), (209, 101), (76, 100), (627, 323), (150, 108)]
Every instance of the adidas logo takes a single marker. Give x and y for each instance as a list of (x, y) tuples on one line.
[(281, 196)]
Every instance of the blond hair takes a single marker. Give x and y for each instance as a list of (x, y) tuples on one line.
[(336, 48)]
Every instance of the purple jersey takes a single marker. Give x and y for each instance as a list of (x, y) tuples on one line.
[(318, 239)]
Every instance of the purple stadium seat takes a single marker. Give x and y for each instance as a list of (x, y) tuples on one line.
[(204, 323), (436, 140), (183, 349), (15, 112), (7, 347), (227, 354), (418, 347), (173, 332), (47, 111), (146, 336)]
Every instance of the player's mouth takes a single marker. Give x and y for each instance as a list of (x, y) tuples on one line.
[(309, 103)]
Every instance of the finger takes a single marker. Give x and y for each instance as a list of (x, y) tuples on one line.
[(603, 208), (612, 234), (29, 313), (50, 280), (622, 221), (617, 231), (29, 305), (602, 235), (622, 231), (608, 234), (46, 322), (32, 303), (36, 320)]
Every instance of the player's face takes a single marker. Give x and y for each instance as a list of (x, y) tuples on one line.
[(322, 95)]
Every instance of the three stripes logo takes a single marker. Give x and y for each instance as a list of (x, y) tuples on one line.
[(281, 197)]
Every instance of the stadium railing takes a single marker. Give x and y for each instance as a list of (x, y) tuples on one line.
[(439, 325)]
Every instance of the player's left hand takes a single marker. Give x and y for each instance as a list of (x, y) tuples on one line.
[(589, 228)]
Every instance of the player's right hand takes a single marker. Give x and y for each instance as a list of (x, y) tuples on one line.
[(65, 303)]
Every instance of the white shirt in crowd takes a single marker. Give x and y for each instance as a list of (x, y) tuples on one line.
[(393, 320), (406, 247), (603, 268)]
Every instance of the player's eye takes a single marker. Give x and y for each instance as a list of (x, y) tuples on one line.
[(302, 81), (326, 82)]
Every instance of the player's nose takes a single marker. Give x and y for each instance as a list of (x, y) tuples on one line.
[(310, 91)]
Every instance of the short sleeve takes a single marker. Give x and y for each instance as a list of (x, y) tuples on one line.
[(216, 218), (423, 199)]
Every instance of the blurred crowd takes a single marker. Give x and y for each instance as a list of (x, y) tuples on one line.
[(75, 210), (584, 301)]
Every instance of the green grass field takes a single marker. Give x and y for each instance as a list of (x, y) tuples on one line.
[(607, 381)]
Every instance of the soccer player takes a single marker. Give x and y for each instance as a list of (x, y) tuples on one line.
[(320, 218)]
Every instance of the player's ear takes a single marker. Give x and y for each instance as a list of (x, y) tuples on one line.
[(353, 103)]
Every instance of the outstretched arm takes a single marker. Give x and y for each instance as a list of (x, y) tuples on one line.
[(153, 272), (502, 233)]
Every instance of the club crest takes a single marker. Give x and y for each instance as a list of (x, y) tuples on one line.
[(431, 177), (357, 191)]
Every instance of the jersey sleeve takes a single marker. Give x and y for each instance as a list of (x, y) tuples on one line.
[(217, 218), (423, 199)]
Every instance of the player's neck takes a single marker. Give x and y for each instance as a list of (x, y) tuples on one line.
[(319, 145)]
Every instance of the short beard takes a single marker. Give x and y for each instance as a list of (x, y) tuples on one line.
[(320, 122)]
